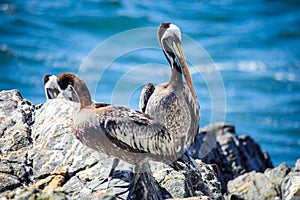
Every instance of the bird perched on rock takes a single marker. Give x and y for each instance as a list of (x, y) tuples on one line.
[(118, 131), (174, 104)]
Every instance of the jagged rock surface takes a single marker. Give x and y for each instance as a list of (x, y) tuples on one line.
[(218, 144), (41, 158), (281, 182), (290, 186), (16, 117)]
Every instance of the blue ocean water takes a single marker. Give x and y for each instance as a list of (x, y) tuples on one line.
[(254, 45)]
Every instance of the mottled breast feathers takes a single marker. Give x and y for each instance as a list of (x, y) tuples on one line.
[(176, 108)]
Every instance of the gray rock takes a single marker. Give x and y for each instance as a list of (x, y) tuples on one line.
[(277, 174), (252, 185), (174, 182), (55, 148), (8, 182), (16, 117), (290, 186), (281, 182), (218, 144), (41, 158)]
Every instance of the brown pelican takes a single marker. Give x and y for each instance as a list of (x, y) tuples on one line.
[(175, 103), (52, 89), (118, 131)]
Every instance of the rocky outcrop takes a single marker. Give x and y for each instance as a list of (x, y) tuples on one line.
[(55, 164), (218, 144), (281, 182), (41, 159), (16, 119)]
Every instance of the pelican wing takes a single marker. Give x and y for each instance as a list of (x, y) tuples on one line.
[(194, 108), (145, 95), (137, 133)]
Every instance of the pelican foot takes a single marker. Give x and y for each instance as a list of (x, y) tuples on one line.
[(100, 185), (122, 184)]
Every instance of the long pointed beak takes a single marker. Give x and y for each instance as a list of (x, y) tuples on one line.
[(180, 55), (52, 93)]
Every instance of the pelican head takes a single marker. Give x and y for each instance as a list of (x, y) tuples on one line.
[(66, 79), (75, 86), (51, 87), (169, 37)]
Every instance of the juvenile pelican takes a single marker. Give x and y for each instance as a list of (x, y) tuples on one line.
[(175, 103), (51, 87), (117, 130), (53, 91)]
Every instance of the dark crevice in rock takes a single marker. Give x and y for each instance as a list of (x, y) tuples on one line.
[(28, 170), (235, 197), (69, 175), (43, 176), (10, 187), (164, 193), (188, 185), (30, 140)]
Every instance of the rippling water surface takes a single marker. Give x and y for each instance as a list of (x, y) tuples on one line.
[(255, 47)]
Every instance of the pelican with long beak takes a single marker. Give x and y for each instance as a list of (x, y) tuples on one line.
[(174, 104)]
